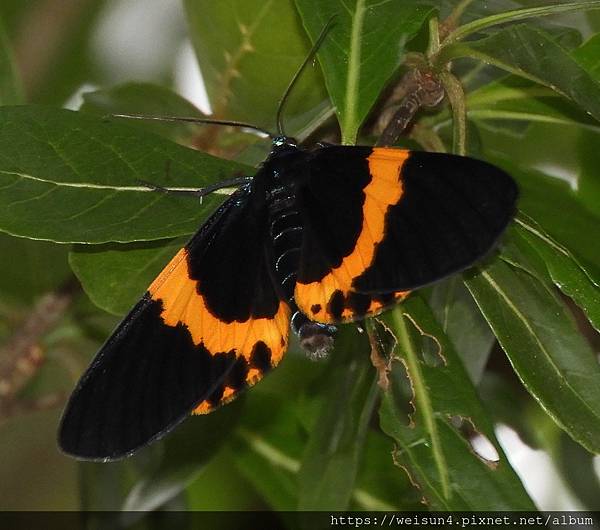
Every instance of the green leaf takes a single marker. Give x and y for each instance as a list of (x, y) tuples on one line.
[(561, 142), (514, 98), (505, 398), (543, 196), (103, 486), (455, 310), (30, 268), (588, 56), (520, 14), (568, 152), (531, 53), (355, 55), (248, 52), (70, 177), (267, 452), (115, 276), (10, 84), (144, 99), (577, 468), (431, 447), (564, 270), (333, 453), (221, 487), (379, 486), (547, 351), (268, 449), (187, 450)]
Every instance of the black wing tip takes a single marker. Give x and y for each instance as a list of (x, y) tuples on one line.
[(71, 443), (76, 442), (75, 447), (73, 451)]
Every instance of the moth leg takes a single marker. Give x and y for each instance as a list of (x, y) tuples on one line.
[(197, 192), (315, 338)]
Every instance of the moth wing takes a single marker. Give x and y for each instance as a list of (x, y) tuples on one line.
[(380, 222), (208, 326)]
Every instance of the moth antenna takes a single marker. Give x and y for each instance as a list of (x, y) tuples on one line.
[(311, 54), (184, 119)]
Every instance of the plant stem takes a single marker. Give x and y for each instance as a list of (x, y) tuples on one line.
[(434, 37), (423, 403), (456, 97)]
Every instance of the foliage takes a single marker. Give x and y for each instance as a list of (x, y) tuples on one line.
[(523, 93)]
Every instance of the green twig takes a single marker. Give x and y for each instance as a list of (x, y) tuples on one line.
[(456, 97), (434, 37)]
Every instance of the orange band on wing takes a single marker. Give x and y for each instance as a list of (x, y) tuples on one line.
[(229, 394), (383, 191), (182, 304)]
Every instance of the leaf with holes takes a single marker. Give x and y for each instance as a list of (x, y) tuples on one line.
[(444, 410), (362, 50), (546, 349), (70, 177), (268, 449)]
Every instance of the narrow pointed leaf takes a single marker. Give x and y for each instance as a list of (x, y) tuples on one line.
[(564, 270), (333, 453), (532, 53), (546, 349), (515, 98), (455, 311), (541, 197), (588, 56), (521, 14), (361, 51)]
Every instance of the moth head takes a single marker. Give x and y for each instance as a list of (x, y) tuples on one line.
[(316, 339)]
